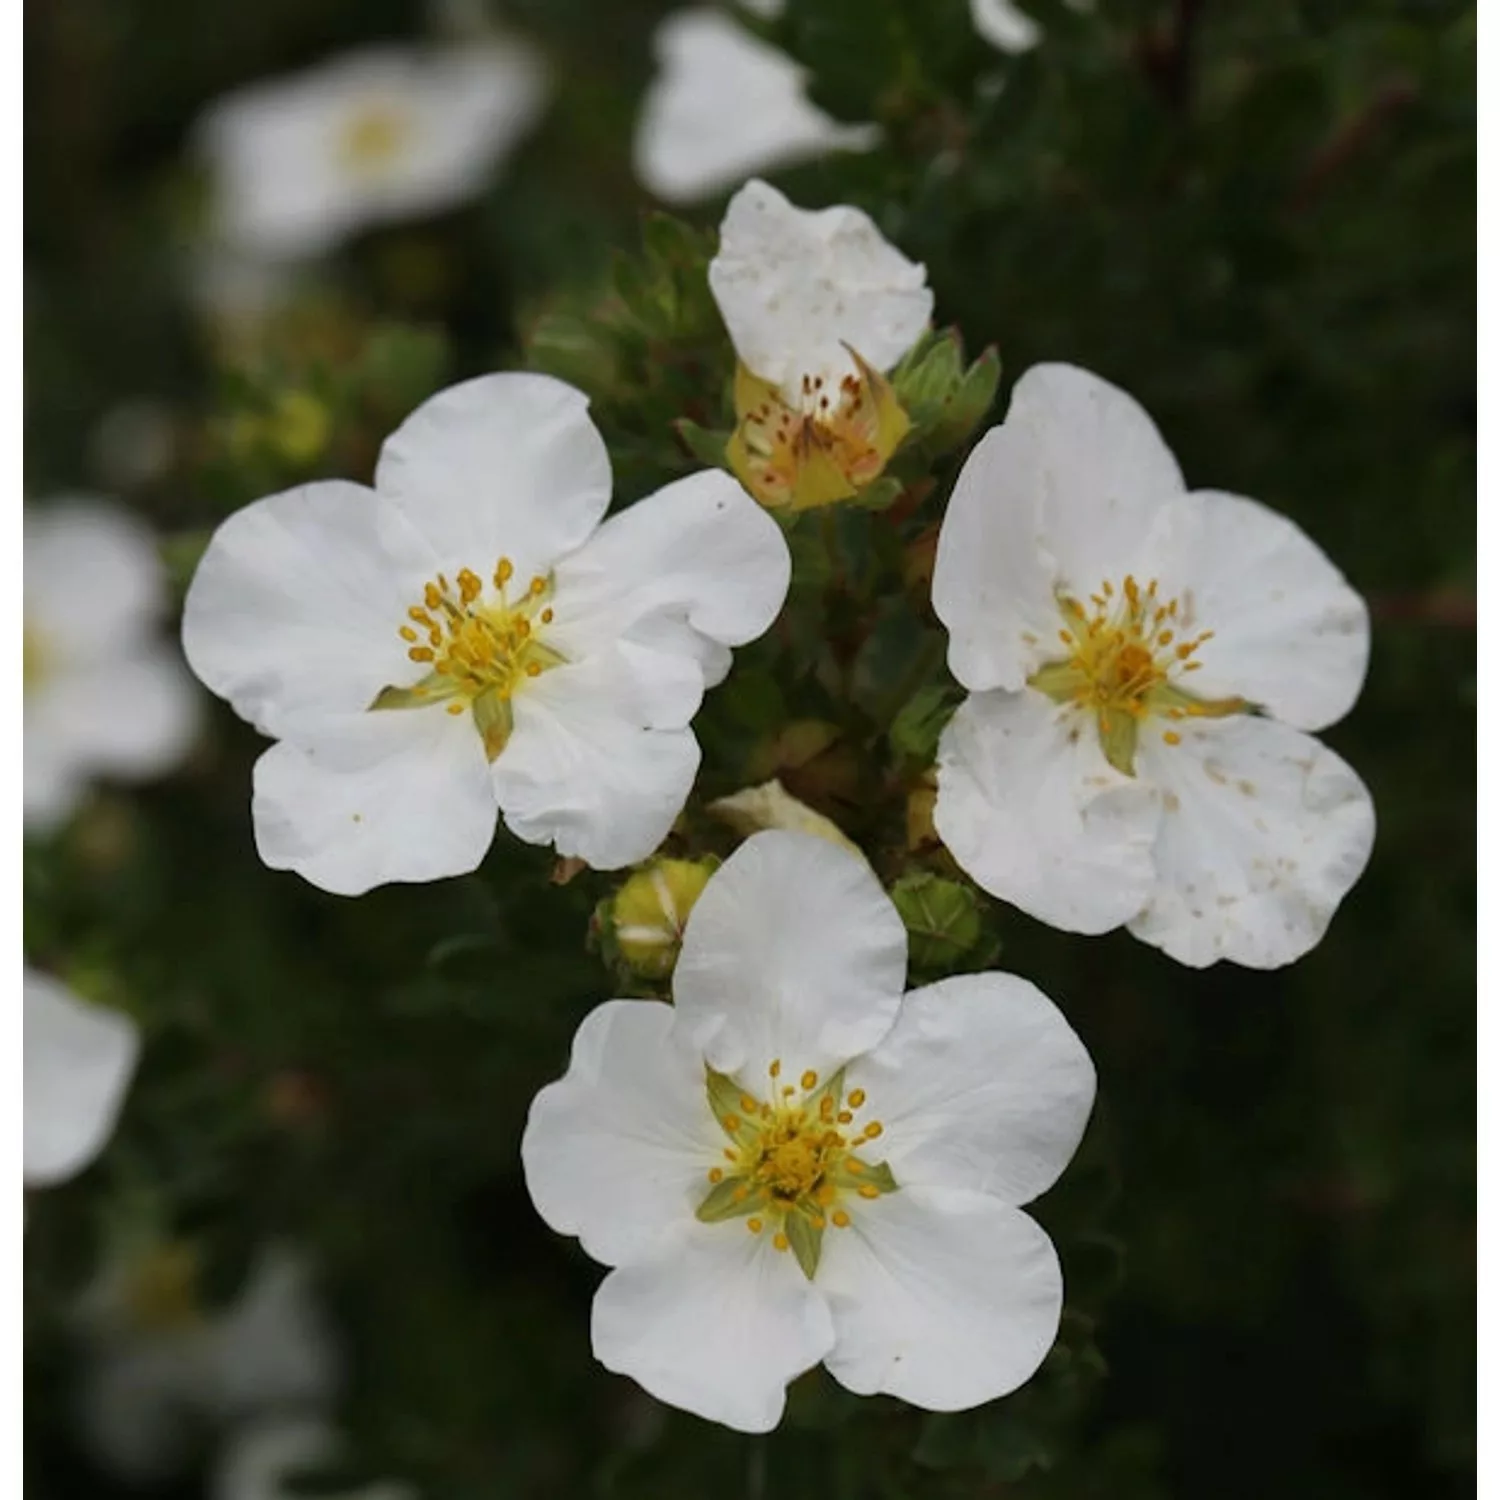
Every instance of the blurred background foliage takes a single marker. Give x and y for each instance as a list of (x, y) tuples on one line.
[(1259, 219)]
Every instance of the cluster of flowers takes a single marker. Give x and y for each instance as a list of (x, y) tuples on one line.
[(794, 1161)]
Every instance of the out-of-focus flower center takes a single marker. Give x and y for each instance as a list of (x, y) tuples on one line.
[(161, 1290), (373, 137), (479, 648), (1127, 653), (827, 445), (793, 1160)]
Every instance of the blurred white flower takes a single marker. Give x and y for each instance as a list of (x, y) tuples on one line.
[(818, 305), (1142, 662), (725, 105), (377, 135), (259, 1459), (102, 696), (79, 1058), (1005, 26), (723, 1155), (160, 1374), (468, 635)]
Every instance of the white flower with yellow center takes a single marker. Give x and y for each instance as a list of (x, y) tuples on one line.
[(102, 695), (725, 105), (1143, 663), (79, 1058), (378, 135), (264, 1458), (818, 305), (467, 636), (794, 1163), (164, 1369)]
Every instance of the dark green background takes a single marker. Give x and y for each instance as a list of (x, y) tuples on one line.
[(1257, 216)]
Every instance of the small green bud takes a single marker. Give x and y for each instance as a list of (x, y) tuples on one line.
[(646, 916), (942, 918)]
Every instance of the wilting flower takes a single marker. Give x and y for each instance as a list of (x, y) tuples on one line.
[(725, 105), (794, 1163), (818, 305), (1003, 24), (102, 695), (260, 1461), (468, 634), (770, 805), (162, 1367), (1143, 662), (381, 134), (79, 1058)]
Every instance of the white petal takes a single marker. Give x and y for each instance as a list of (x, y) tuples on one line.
[(128, 718), (140, 1400), (395, 795), (502, 466), (725, 105), (993, 581), (78, 1062), (1004, 25), (1030, 808), (52, 780), (981, 1084), (93, 583), (598, 764), (297, 603), (1264, 833), (1289, 632), (619, 1148), (793, 952), (715, 1321), (946, 1299), (1098, 468), (274, 1346), (699, 554), (794, 285)]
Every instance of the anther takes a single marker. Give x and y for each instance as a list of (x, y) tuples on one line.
[(845, 1117), (716, 1174), (533, 669), (1172, 737), (547, 616), (840, 1219), (455, 709), (873, 1129), (538, 585), (420, 653), (754, 1225), (776, 1068), (732, 1123), (747, 1104), (433, 595), (856, 1098), (407, 633), (730, 1155), (868, 1190), (809, 1079), (780, 1241)]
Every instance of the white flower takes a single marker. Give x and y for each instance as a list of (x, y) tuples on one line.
[(260, 1459), (1004, 25), (725, 105), (818, 305), (1143, 661), (79, 1059), (468, 634), (102, 695), (160, 1368), (794, 1163), (381, 134)]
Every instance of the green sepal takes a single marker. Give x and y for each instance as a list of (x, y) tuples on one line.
[(1118, 732), (724, 1096), (968, 403), (494, 720), (877, 1175), (1061, 681), (706, 445), (1168, 696), (806, 1240), (433, 688), (730, 1199)]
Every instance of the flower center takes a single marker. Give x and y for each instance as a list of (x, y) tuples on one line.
[(793, 1157), (161, 1289), (827, 445), (478, 650), (1125, 651), (373, 137)]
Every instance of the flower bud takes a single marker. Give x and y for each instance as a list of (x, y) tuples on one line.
[(941, 916), (645, 917)]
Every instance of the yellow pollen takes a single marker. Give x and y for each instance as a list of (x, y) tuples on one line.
[(1172, 737), (407, 633), (809, 1079), (780, 1241), (845, 1117), (716, 1174), (730, 1154), (748, 1104), (873, 1129), (868, 1190), (840, 1219), (455, 709), (856, 1098), (732, 1123), (755, 1225), (776, 1068)]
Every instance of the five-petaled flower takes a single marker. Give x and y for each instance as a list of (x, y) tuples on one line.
[(468, 634), (819, 305), (725, 105), (79, 1058), (103, 695), (1143, 661), (378, 135), (794, 1163)]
